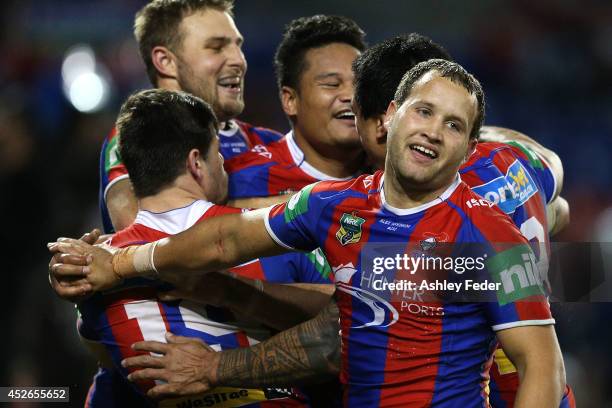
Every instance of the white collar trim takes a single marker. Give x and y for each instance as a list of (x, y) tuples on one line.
[(174, 221), (232, 128), (298, 158), (407, 211)]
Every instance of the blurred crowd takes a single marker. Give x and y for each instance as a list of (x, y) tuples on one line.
[(546, 67)]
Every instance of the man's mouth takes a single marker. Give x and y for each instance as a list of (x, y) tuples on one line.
[(424, 151), (345, 114), (233, 83)]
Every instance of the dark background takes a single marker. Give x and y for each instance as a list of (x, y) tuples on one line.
[(546, 67)]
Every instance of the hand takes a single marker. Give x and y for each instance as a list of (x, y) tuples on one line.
[(187, 365), (72, 288), (93, 264)]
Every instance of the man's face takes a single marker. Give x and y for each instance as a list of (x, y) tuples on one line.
[(210, 63), (428, 135), (323, 103), (214, 182)]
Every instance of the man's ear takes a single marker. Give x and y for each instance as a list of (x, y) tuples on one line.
[(164, 62), (391, 109), (289, 100), (381, 129), (194, 163), (472, 143)]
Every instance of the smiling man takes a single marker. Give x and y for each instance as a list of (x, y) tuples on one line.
[(192, 46), (315, 80), (433, 121)]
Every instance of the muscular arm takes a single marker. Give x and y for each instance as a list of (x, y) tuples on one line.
[(309, 352), (122, 204), (257, 299), (535, 352), (499, 134)]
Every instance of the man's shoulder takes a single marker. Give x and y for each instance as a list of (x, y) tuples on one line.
[(258, 134)]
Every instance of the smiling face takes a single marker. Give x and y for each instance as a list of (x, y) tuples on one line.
[(323, 112), (428, 136), (211, 63)]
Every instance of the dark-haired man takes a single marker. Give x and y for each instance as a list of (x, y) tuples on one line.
[(170, 148), (193, 46), (315, 81), (433, 123)]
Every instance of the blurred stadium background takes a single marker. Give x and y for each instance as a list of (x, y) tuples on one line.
[(547, 71)]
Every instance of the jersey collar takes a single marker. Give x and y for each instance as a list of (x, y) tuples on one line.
[(407, 211), (298, 158), (173, 221)]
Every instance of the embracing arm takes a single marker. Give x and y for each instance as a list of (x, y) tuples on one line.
[(504, 135), (122, 204), (535, 352), (307, 353), (258, 202)]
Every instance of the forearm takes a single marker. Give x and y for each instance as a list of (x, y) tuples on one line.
[(309, 352), (539, 387), (263, 300), (258, 202)]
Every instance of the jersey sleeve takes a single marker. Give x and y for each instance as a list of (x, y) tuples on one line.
[(540, 169), (293, 224), (112, 168), (259, 135), (519, 296)]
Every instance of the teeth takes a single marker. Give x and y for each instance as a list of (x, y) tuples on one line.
[(425, 151), (229, 82), (346, 115)]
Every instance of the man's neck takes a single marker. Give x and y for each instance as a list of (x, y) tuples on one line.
[(407, 196), (170, 198), (339, 163)]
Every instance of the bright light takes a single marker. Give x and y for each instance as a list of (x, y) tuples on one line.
[(79, 59), (88, 92)]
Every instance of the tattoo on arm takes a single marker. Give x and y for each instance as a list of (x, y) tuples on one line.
[(307, 353)]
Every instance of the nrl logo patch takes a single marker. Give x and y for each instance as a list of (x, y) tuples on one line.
[(350, 229)]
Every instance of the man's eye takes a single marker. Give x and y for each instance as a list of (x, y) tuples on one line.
[(454, 126), (423, 112), (331, 84)]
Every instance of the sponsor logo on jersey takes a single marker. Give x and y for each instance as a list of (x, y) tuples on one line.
[(383, 312), (431, 239), (517, 271), (350, 229), (227, 397), (509, 191)]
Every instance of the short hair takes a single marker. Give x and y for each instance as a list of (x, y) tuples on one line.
[(379, 70), (305, 33), (157, 129), (445, 69), (157, 24)]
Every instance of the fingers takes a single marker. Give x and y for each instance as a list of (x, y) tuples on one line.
[(91, 237), (81, 260), (151, 346), (148, 374), (72, 292), (174, 339), (61, 271), (143, 361), (68, 246)]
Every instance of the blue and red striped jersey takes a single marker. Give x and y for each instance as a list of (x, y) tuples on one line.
[(403, 351), (278, 168), (236, 138), (131, 312)]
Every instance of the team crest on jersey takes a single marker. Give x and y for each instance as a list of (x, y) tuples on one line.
[(350, 229), (431, 240)]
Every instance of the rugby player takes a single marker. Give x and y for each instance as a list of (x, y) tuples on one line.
[(193, 46), (429, 113)]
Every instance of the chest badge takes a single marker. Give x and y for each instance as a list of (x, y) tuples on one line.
[(350, 229)]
